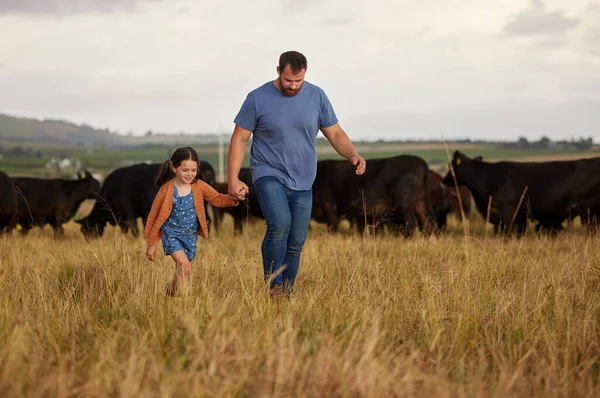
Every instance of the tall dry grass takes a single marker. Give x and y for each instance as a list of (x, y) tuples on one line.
[(375, 317)]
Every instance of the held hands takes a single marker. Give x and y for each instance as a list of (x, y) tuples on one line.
[(238, 190), (360, 163), (151, 252)]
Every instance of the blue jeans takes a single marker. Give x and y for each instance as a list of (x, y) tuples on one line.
[(287, 213)]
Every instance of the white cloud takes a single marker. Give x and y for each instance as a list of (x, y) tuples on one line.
[(187, 65), (66, 7), (539, 21)]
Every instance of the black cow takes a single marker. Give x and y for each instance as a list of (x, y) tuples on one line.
[(210, 177), (127, 193), (8, 204), (439, 198), (393, 191), (248, 208), (51, 201), (549, 192), (444, 199)]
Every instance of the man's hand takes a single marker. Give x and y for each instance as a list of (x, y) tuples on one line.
[(151, 252), (237, 189), (341, 143), (360, 163)]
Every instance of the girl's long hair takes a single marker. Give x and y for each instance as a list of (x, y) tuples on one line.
[(180, 154)]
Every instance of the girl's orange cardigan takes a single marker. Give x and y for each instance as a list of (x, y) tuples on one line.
[(163, 204)]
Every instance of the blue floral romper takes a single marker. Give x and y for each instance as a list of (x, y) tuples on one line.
[(180, 231)]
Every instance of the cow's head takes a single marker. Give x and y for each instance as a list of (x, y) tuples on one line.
[(92, 186), (462, 166)]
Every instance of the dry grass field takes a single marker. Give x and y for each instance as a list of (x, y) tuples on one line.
[(459, 315)]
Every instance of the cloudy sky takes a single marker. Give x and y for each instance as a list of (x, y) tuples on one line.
[(393, 69)]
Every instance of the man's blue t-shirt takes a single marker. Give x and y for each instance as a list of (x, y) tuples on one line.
[(285, 132)]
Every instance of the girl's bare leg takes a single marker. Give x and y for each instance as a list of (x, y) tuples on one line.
[(183, 273)]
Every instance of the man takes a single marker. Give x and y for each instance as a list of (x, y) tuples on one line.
[(285, 116)]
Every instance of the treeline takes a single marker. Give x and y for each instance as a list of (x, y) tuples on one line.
[(581, 144), (19, 152)]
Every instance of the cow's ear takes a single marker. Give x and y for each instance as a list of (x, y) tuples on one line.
[(457, 158)]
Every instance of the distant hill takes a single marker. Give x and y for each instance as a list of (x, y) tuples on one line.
[(16, 129), (21, 130)]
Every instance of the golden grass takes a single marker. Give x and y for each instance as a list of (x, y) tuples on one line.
[(374, 317)]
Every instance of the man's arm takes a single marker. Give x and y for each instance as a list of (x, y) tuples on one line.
[(341, 143), (237, 149)]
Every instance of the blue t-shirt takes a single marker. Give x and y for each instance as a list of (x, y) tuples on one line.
[(285, 132)]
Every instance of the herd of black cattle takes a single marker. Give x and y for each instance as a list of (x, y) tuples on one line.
[(400, 193)]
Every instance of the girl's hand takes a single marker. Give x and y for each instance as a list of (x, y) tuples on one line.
[(151, 252), (237, 189)]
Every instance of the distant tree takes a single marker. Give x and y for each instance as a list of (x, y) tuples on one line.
[(584, 144), (543, 143), (15, 152), (522, 142)]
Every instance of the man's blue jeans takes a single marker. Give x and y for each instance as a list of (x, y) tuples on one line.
[(287, 213)]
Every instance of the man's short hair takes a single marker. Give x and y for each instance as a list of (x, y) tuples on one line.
[(296, 61)]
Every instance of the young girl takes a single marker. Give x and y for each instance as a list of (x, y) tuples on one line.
[(177, 214)]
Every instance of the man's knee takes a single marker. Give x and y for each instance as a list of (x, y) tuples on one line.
[(295, 244), (293, 251), (278, 230)]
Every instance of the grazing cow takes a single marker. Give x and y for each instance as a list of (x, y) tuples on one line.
[(51, 201), (466, 200), (549, 192), (127, 193), (444, 199), (210, 177), (393, 191), (248, 208), (8, 204)]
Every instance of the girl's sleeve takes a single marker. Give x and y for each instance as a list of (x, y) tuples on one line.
[(154, 210), (217, 199)]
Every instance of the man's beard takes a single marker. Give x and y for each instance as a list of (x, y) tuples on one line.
[(286, 91)]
